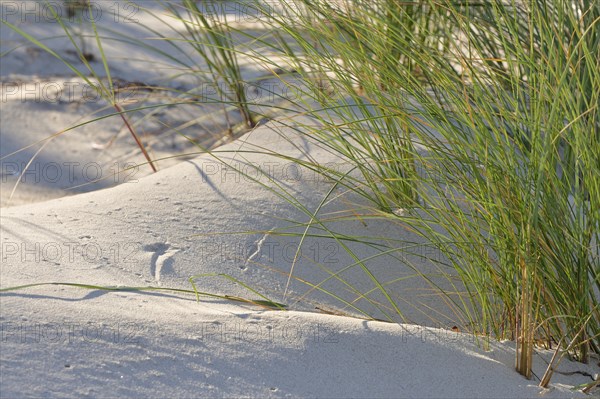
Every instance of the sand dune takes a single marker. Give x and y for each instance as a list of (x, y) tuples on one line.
[(238, 212), (67, 341)]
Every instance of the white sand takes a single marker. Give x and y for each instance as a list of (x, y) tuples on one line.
[(162, 344), (159, 229)]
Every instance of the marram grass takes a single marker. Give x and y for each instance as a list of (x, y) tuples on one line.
[(503, 97)]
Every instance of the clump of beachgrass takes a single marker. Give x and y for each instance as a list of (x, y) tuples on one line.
[(480, 121)]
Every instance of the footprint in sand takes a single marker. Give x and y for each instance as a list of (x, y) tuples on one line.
[(256, 254), (162, 258)]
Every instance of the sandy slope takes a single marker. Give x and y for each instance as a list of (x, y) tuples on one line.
[(61, 341), (82, 157)]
